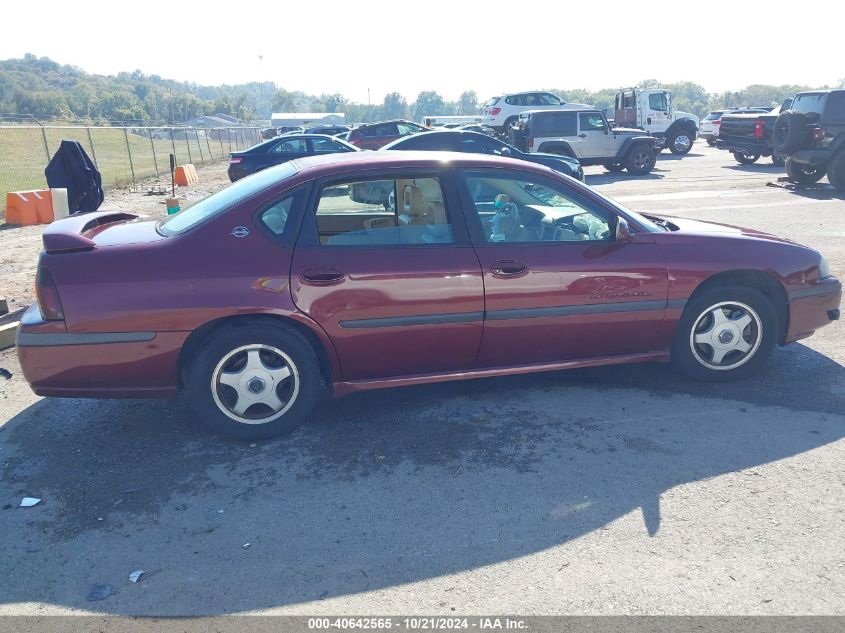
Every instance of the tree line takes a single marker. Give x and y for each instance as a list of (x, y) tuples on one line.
[(47, 90)]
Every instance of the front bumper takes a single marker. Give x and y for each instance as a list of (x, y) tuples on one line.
[(813, 307)]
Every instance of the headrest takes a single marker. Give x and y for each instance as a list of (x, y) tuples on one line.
[(413, 201)]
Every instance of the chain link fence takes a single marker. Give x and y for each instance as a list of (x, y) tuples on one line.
[(124, 155)]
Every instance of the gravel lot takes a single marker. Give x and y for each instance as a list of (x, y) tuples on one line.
[(605, 491)]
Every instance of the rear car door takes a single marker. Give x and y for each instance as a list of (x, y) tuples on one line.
[(558, 286), (397, 285), (287, 149)]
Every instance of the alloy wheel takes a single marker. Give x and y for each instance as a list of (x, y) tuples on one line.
[(726, 335), (255, 384)]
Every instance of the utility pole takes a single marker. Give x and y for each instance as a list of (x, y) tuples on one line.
[(369, 107)]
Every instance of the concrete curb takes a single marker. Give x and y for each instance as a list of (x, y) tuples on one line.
[(7, 334)]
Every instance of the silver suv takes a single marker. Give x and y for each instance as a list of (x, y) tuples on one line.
[(586, 135)]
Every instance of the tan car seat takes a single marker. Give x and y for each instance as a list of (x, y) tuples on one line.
[(413, 206)]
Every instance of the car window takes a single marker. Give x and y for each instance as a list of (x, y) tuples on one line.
[(554, 124), (811, 102), (291, 146), (513, 100), (224, 199), (713, 116), (591, 121), (549, 99), (275, 217), (325, 146), (515, 209), (492, 102), (478, 145), (407, 211), (406, 129), (835, 110), (657, 101)]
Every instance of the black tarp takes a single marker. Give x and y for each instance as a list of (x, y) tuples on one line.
[(71, 169)]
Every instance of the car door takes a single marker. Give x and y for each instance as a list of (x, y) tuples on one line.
[(398, 290), (320, 146), (593, 139), (558, 286)]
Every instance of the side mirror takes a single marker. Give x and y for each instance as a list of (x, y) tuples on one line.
[(505, 151), (623, 231)]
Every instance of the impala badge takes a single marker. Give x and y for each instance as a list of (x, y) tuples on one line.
[(240, 231)]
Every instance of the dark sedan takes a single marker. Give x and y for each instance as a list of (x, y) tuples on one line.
[(281, 287), (283, 149), (477, 143)]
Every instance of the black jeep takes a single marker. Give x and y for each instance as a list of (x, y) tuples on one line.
[(811, 135)]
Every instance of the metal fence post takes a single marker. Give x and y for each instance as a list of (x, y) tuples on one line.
[(91, 143), (173, 142), (188, 146), (220, 138), (208, 144), (153, 147), (129, 151), (197, 135), (229, 134), (44, 137)]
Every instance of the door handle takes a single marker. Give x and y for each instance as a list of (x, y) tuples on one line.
[(582, 136), (321, 275), (507, 268)]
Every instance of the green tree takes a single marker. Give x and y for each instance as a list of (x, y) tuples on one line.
[(429, 103), (394, 106), (283, 101), (468, 103)]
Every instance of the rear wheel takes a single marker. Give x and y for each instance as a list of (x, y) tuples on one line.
[(254, 381), (777, 161), (725, 333), (803, 174), (836, 171), (640, 160), (746, 159), (680, 142)]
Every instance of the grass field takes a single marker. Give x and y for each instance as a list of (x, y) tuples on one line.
[(23, 156)]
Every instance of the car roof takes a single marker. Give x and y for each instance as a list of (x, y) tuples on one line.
[(438, 132), (329, 164)]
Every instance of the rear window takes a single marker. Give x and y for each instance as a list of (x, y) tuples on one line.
[(492, 102), (714, 115), (835, 112), (553, 124), (811, 102), (224, 199)]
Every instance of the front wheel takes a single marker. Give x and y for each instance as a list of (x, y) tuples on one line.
[(640, 160), (746, 159), (725, 333), (803, 174), (680, 142), (254, 381)]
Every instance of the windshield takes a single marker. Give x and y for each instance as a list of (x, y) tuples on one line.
[(216, 203)]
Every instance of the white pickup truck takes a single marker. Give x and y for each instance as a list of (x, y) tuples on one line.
[(652, 110)]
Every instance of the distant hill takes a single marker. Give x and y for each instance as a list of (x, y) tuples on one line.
[(48, 90)]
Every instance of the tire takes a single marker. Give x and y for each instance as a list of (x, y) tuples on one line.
[(803, 174), (640, 160), (790, 132), (836, 171), (711, 142), (613, 166), (506, 128), (746, 159), (737, 347), (272, 350), (777, 161), (680, 142)]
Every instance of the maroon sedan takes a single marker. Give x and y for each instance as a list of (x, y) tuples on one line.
[(283, 285)]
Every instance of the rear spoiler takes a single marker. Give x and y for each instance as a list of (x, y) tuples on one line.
[(66, 235)]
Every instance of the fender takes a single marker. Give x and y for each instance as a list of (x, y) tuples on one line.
[(629, 142), (560, 147), (683, 124)]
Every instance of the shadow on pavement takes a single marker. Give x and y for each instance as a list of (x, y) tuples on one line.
[(382, 488)]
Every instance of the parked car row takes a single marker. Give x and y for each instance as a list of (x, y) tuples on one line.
[(806, 135)]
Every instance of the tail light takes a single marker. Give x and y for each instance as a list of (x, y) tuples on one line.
[(758, 128), (530, 142), (234, 160), (816, 133), (717, 122), (47, 296), (495, 111)]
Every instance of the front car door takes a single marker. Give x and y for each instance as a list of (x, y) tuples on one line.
[(594, 139), (558, 286), (397, 285)]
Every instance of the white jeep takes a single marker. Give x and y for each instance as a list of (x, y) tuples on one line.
[(501, 112), (586, 135)]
